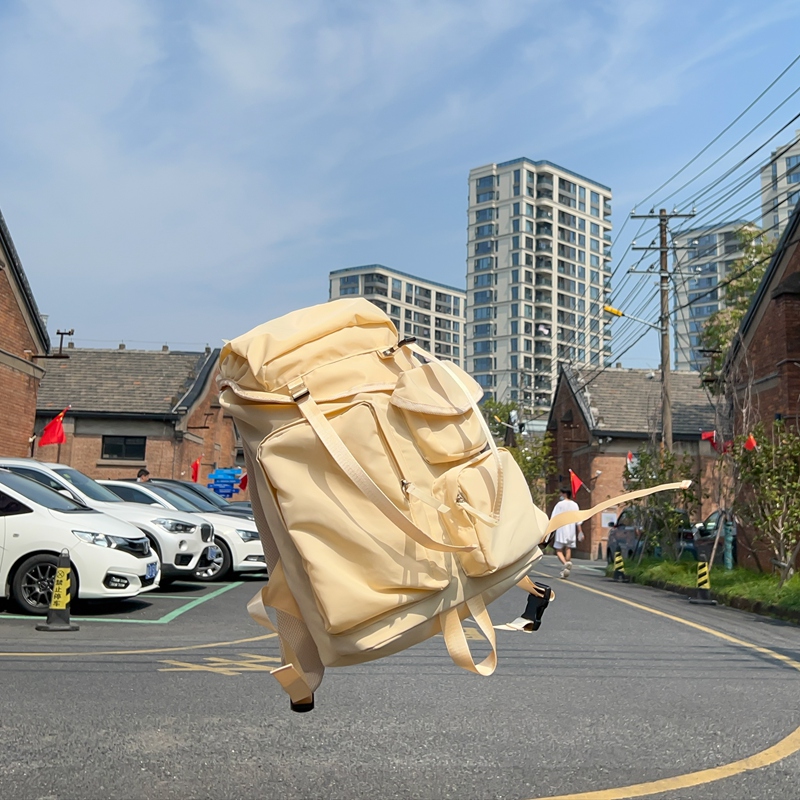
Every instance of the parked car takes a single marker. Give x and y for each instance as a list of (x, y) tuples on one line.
[(181, 541), (631, 529), (705, 534), (209, 495), (109, 559), (235, 538)]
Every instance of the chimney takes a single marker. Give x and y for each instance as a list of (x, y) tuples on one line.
[(165, 348), (70, 345), (619, 365), (122, 346)]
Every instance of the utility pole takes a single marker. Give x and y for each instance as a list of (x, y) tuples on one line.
[(666, 402)]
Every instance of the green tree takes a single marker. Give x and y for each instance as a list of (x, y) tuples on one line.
[(535, 458), (494, 410), (662, 515), (721, 327), (769, 500)]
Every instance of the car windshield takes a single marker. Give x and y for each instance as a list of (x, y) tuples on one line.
[(199, 503), (85, 484), (175, 499), (211, 497), (42, 495)]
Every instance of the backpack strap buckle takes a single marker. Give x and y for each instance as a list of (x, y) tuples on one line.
[(389, 352), (297, 388)]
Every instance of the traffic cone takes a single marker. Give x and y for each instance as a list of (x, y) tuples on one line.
[(58, 612), (703, 596), (619, 567)]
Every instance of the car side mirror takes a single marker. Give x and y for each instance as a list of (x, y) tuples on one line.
[(698, 526)]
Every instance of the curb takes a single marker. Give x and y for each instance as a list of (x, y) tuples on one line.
[(739, 603)]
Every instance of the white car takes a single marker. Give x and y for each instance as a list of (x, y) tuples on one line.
[(109, 559), (236, 537), (182, 541)]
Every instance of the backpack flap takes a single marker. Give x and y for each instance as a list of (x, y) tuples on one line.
[(269, 356)]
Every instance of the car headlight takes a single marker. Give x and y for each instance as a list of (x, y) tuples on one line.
[(100, 539), (174, 525), (247, 536)]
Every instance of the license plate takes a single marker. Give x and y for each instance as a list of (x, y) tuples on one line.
[(212, 553), (151, 571)]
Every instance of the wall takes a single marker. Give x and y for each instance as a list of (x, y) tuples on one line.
[(19, 376)]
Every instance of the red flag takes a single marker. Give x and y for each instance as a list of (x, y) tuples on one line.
[(53, 432), (750, 443), (575, 482), (710, 436), (629, 459), (195, 469), (243, 483)]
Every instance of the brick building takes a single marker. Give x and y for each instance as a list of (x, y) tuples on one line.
[(595, 424), (763, 364), (137, 408), (22, 337)]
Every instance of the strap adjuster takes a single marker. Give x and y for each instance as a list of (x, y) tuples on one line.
[(297, 388)]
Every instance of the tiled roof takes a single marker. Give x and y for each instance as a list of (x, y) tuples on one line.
[(629, 401), (147, 382)]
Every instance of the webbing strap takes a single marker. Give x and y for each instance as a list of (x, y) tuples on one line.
[(567, 517), (456, 641), (424, 497), (498, 498), (529, 586), (276, 595), (344, 458)]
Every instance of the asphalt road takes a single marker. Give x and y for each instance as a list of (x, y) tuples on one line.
[(169, 697)]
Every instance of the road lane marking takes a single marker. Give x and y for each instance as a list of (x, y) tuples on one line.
[(783, 749), (166, 619), (247, 662), (181, 649)]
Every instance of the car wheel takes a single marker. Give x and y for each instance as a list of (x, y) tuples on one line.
[(216, 569), (32, 587)]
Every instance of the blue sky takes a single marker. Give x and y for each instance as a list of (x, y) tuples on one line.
[(179, 172)]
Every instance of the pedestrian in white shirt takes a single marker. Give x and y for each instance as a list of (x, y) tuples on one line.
[(566, 535)]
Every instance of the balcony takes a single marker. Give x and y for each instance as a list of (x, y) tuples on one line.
[(606, 210), (607, 237), (543, 246), (545, 179), (544, 280), (544, 212), (542, 262), (544, 193)]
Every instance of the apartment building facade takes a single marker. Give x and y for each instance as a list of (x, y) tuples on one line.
[(432, 312), (703, 258), (538, 270), (780, 187)]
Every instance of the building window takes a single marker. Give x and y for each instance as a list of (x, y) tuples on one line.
[(793, 169), (485, 197), (124, 448), (485, 182), (483, 263), (484, 215)]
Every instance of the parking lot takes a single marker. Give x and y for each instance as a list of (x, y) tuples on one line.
[(168, 695)]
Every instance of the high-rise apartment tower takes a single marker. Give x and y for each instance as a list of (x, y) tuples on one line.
[(430, 311), (780, 187), (703, 259), (538, 268)]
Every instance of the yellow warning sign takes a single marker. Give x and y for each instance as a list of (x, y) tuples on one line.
[(60, 597)]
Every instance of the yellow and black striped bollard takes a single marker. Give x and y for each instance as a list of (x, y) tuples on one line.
[(58, 612), (619, 567), (703, 596)]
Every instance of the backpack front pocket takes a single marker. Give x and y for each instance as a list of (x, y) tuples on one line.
[(439, 415), (469, 491), (360, 565)]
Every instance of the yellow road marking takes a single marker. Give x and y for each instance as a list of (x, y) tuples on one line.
[(141, 652), (782, 749), (225, 666)]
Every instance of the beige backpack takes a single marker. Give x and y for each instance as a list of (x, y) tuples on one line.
[(386, 510)]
